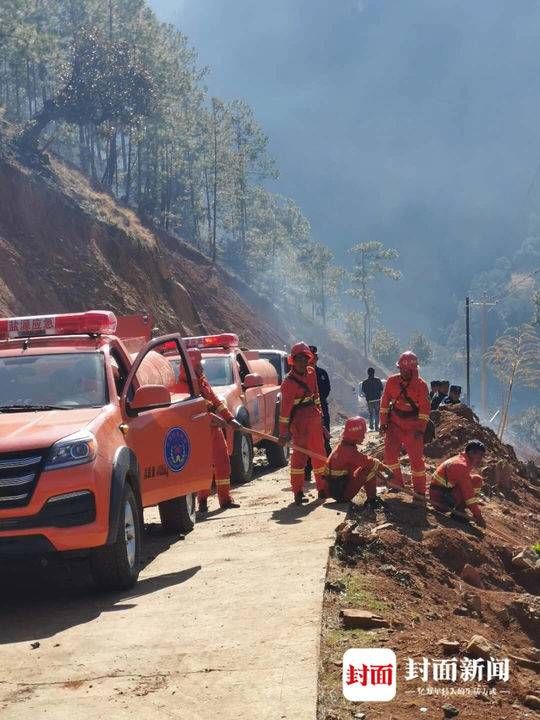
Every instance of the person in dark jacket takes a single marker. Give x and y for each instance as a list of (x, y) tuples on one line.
[(454, 396), (323, 382), (436, 400), (372, 390), (434, 388)]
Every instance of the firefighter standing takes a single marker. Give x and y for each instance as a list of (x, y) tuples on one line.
[(454, 485), (301, 421), (405, 411), (348, 470), (220, 453)]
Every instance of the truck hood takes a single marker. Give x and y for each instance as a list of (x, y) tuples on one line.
[(32, 430)]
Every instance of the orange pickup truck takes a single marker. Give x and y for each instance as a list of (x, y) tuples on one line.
[(249, 386), (90, 436)]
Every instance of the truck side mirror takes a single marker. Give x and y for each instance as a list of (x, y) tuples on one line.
[(149, 397), (253, 380)]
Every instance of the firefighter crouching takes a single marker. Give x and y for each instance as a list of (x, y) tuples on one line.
[(220, 454), (405, 409), (301, 421), (348, 470), (454, 485)]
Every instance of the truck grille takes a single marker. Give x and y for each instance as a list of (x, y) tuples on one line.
[(19, 474)]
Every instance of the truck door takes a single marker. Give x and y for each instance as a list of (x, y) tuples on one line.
[(171, 442), (254, 399)]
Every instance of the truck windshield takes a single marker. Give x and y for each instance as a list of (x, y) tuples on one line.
[(70, 380), (218, 370)]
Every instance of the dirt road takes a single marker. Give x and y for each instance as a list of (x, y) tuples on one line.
[(224, 624)]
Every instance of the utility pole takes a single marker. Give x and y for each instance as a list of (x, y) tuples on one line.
[(468, 344)]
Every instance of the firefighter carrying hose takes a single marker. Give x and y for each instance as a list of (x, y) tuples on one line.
[(405, 409), (348, 470), (301, 421), (455, 485), (220, 454)]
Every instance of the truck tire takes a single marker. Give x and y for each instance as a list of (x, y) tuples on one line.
[(242, 458), (116, 567), (276, 455), (178, 515)]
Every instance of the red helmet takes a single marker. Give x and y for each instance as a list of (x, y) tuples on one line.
[(407, 361), (300, 348), (355, 430)]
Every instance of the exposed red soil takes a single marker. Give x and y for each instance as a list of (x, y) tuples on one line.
[(413, 569)]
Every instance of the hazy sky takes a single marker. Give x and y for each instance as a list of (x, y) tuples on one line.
[(415, 122)]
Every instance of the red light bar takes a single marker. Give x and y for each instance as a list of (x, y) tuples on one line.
[(225, 340), (98, 322)]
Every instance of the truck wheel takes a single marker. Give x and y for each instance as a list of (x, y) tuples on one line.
[(276, 455), (117, 566), (242, 458), (178, 515)]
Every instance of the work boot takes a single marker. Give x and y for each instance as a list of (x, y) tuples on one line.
[(203, 507), (299, 498), (229, 504), (419, 498), (321, 495)]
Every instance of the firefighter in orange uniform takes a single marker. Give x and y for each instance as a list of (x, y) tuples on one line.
[(348, 470), (301, 421), (405, 409), (454, 485), (220, 453)]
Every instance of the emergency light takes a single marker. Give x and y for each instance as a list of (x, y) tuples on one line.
[(225, 340), (95, 322)]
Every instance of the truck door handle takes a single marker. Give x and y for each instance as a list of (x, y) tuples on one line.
[(199, 416), (123, 427)]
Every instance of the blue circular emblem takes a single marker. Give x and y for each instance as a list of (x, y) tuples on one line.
[(177, 449)]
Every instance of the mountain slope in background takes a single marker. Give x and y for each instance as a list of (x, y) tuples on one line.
[(66, 246), (412, 123)]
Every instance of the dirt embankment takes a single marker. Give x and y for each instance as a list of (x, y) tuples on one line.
[(66, 246), (432, 579)]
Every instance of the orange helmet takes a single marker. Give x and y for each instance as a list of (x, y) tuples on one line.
[(300, 348), (355, 430), (407, 361)]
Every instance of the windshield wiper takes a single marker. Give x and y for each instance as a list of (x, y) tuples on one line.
[(24, 408)]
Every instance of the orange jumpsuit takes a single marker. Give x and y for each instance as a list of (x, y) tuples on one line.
[(347, 470), (301, 416), (405, 426), (220, 453), (454, 486)]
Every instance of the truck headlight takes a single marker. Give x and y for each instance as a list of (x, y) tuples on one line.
[(74, 450)]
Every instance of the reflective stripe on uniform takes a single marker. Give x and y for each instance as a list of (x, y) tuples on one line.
[(418, 473), (283, 419), (472, 501), (440, 480), (319, 470), (223, 481), (423, 417), (394, 467), (304, 400), (297, 471), (221, 407), (335, 473), (317, 401)]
